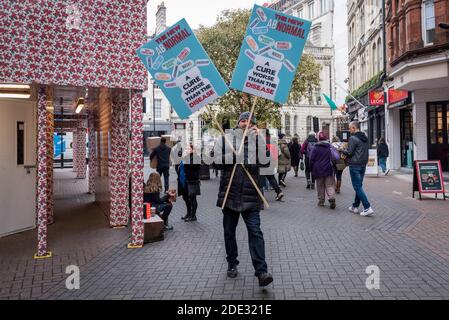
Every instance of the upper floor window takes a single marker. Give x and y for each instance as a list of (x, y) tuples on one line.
[(300, 12), (324, 6), (311, 10), (428, 22)]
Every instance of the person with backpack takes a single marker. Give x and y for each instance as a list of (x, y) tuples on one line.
[(321, 161), (382, 154), (295, 152), (306, 149), (340, 165), (284, 160)]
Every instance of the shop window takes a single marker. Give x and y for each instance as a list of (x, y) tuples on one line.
[(436, 124)]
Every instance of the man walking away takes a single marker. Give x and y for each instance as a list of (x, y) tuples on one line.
[(243, 200), (295, 153), (322, 159), (162, 154), (357, 155), (305, 150), (382, 154)]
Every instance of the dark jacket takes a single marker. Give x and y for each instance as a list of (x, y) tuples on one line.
[(192, 174), (162, 153), (310, 139), (321, 159), (295, 153), (154, 198), (242, 195), (382, 150), (358, 150)]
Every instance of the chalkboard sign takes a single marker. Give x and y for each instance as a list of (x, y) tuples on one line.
[(428, 177)]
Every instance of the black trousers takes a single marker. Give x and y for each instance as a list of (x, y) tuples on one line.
[(274, 184), (191, 204), (166, 173), (309, 175)]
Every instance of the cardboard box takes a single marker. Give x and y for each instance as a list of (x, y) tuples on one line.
[(153, 229), (153, 142)]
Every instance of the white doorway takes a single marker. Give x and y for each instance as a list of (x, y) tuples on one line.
[(17, 166)]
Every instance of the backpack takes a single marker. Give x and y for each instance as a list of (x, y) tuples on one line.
[(310, 145)]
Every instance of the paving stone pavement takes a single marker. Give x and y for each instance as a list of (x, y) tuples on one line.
[(313, 253)]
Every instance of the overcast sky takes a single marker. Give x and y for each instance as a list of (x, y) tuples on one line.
[(205, 12)]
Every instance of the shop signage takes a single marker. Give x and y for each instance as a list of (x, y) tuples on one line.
[(428, 177), (270, 54), (398, 98), (376, 98)]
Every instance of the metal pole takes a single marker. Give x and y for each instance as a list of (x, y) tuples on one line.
[(153, 133)]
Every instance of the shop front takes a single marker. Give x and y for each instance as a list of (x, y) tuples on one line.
[(438, 132)]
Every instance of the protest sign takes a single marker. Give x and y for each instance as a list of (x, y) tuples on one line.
[(270, 54), (182, 69)]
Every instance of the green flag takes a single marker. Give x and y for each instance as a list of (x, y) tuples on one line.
[(330, 102)]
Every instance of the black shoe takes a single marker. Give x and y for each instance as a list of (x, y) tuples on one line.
[(312, 187), (265, 279), (279, 196), (185, 217), (232, 272), (308, 186), (188, 219), (168, 227)]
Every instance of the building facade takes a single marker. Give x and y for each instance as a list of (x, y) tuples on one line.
[(418, 62), (312, 113), (366, 66)]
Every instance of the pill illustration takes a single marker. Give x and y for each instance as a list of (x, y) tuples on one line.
[(260, 30), (186, 65), (261, 14), (169, 64), (202, 62), (289, 65), (266, 40), (157, 62), (183, 54), (264, 50), (254, 23), (277, 55), (250, 54), (283, 45), (149, 62), (170, 84), (162, 76), (147, 51), (175, 71), (252, 43)]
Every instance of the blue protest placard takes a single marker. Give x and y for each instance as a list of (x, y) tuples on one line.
[(182, 69), (270, 54)]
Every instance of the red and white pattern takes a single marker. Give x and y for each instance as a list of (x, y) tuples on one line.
[(119, 215), (50, 196), (92, 150), (136, 168), (80, 165), (42, 172), (40, 43)]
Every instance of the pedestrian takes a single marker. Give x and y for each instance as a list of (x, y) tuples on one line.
[(189, 185), (162, 154), (162, 204), (267, 174), (340, 165), (284, 160), (243, 198), (295, 153), (357, 158), (322, 159), (306, 148), (383, 154)]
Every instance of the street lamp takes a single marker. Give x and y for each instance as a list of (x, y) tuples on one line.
[(443, 25)]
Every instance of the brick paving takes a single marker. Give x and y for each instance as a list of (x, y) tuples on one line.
[(313, 253)]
